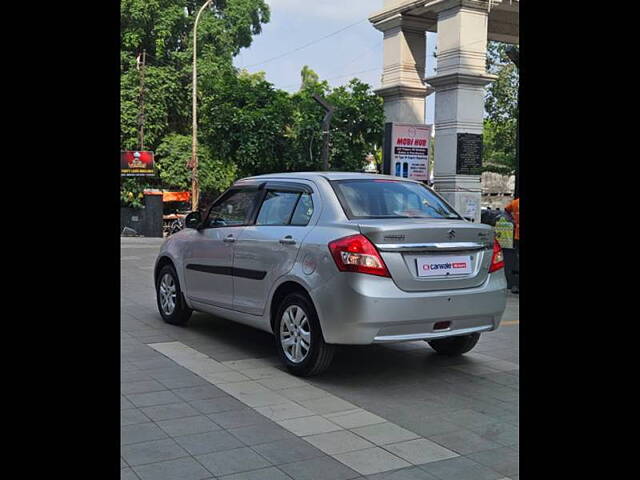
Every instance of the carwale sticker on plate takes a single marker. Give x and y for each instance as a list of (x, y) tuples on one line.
[(439, 266)]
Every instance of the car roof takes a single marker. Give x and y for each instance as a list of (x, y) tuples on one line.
[(317, 175)]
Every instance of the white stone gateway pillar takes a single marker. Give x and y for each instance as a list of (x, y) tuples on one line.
[(403, 88), (459, 103)]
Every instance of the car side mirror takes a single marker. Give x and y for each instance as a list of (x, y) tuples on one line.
[(193, 220)]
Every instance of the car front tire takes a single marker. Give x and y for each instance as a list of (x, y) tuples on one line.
[(171, 304), (453, 346), (299, 338)]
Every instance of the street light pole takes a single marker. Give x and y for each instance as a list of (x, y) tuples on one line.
[(195, 185)]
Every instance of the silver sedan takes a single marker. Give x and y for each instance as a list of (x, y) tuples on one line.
[(321, 259)]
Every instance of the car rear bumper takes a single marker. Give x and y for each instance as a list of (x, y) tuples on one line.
[(362, 309)]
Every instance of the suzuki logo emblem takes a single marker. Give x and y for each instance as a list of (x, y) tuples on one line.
[(452, 234)]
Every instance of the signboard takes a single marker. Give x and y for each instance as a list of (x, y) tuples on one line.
[(136, 163), (469, 154), (407, 150), (504, 233)]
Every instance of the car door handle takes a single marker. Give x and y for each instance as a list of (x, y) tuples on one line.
[(288, 240), (229, 239)]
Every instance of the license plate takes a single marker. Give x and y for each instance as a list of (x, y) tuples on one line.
[(442, 266)]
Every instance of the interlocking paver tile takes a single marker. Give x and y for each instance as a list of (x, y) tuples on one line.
[(238, 417), (298, 394), (141, 386), (420, 451), (170, 411), (128, 474), (433, 426), (281, 382), (411, 473), (208, 442), (182, 381), (503, 433), (142, 432), (270, 473), (340, 441), (131, 416), (464, 442), (371, 460), (188, 425), (153, 398), (287, 451), (384, 433), (468, 418), (321, 468), (182, 468), (260, 433), (460, 468), (504, 460), (309, 425), (284, 411), (224, 377), (200, 392), (327, 404), (218, 404), (354, 418), (232, 461), (124, 403), (150, 452)]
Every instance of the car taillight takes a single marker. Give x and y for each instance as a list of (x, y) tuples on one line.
[(497, 259), (357, 254)]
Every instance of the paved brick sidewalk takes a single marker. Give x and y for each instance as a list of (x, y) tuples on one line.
[(212, 401)]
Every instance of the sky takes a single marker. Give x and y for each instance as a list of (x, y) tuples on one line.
[(354, 52)]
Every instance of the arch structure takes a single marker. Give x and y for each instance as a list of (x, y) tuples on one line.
[(463, 28)]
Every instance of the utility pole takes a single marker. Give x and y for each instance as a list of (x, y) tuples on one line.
[(195, 184), (326, 124), (141, 115)]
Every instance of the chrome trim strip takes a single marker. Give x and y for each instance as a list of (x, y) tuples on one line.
[(436, 247), (429, 336)]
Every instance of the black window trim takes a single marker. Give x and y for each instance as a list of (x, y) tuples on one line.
[(347, 210)]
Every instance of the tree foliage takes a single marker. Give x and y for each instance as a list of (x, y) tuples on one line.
[(501, 112), (246, 126)]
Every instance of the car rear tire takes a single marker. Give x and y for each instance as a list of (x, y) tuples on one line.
[(299, 338), (453, 346), (171, 304)]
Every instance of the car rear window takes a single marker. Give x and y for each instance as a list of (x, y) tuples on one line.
[(372, 198)]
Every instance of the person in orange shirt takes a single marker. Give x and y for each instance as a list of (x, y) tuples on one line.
[(514, 209)]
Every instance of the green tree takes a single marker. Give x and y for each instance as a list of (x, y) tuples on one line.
[(309, 77), (163, 28), (245, 120), (501, 112)]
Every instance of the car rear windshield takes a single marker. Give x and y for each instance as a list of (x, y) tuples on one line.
[(372, 198)]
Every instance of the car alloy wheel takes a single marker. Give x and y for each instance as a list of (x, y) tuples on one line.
[(295, 334), (168, 294)]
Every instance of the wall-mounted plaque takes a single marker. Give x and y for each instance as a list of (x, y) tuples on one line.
[(469, 154)]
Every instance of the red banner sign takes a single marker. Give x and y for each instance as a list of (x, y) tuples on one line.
[(136, 163)]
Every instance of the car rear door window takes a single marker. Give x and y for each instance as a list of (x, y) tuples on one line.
[(277, 208)]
